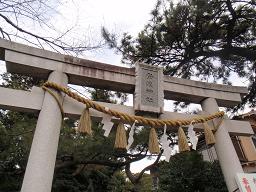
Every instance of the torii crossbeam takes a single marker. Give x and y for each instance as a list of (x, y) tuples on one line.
[(63, 69)]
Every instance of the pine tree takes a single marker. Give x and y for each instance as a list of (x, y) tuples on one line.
[(206, 39)]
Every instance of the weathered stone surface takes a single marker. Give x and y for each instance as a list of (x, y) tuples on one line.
[(149, 95), (224, 147), (28, 60), (41, 162), (31, 101)]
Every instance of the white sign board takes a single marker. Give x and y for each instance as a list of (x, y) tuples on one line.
[(246, 182)]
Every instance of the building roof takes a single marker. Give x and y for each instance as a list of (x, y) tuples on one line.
[(250, 116)]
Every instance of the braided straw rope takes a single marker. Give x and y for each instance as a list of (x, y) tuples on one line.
[(131, 118), (56, 98)]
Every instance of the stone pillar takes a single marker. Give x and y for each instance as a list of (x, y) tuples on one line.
[(225, 150), (41, 162)]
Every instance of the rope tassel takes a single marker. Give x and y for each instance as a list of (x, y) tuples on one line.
[(209, 136), (121, 140), (182, 141), (84, 125), (153, 145)]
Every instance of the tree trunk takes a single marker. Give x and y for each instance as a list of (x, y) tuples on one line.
[(136, 187)]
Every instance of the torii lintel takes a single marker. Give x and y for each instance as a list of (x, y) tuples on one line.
[(31, 61)]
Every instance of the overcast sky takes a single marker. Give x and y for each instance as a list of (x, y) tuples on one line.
[(117, 16)]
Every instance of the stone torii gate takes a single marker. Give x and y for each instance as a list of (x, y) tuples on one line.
[(149, 97)]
